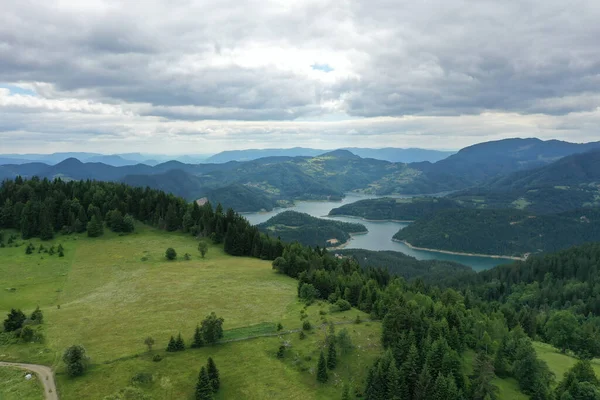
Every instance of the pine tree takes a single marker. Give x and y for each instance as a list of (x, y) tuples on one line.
[(422, 387), (410, 372), (204, 389), (394, 384), (331, 355), (94, 227), (213, 374), (172, 346), (322, 369), (198, 340), (179, 343), (46, 230)]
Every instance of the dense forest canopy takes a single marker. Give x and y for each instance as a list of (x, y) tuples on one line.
[(292, 226), (502, 232)]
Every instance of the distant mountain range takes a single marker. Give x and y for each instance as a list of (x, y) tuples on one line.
[(487, 167), (115, 160), (391, 154)]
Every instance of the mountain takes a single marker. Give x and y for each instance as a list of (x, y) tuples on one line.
[(175, 181), (569, 183), (114, 160), (387, 154), (573, 170), (478, 163), (401, 155), (253, 154), (241, 198), (292, 226)]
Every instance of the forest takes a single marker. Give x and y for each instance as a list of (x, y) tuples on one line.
[(292, 226), (428, 328), (386, 208), (503, 232)]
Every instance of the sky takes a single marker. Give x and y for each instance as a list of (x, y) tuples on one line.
[(198, 77)]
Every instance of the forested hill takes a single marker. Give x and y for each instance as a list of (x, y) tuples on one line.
[(502, 232), (405, 209), (323, 176), (292, 226), (571, 171)]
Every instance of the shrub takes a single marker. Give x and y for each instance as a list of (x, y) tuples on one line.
[(279, 327), (171, 254), (157, 358), (343, 305), (142, 378), (307, 326)]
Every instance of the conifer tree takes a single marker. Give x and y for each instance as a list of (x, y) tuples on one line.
[(410, 372), (394, 384), (322, 369), (179, 343), (198, 340), (204, 389), (172, 346), (331, 355), (94, 227), (213, 374)]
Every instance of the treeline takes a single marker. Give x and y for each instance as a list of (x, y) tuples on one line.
[(503, 232), (41, 208)]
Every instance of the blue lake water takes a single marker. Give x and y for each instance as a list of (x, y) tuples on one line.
[(380, 233)]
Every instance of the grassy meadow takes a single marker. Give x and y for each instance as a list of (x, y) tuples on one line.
[(13, 385), (109, 293)]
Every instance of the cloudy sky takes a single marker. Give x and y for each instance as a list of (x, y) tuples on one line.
[(186, 76)]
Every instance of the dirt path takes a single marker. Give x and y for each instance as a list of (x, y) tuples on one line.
[(44, 373)]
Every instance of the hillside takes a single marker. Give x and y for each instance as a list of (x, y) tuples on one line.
[(292, 226), (115, 291), (484, 161), (502, 232), (567, 184), (574, 170), (241, 198), (406, 209)]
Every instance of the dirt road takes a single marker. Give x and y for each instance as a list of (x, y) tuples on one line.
[(44, 374)]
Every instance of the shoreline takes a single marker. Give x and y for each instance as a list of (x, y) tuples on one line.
[(369, 220), (457, 253), (347, 242)]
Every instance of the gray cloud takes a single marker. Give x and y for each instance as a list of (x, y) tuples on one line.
[(163, 66)]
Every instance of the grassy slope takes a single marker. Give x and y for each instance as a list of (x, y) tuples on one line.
[(560, 363), (110, 300), (14, 386)]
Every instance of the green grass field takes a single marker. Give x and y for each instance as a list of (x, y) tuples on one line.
[(109, 293), (14, 386), (558, 362)]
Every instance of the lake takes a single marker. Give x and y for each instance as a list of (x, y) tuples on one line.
[(380, 233)]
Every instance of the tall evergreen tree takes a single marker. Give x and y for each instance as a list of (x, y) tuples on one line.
[(204, 390), (322, 369), (213, 374), (94, 227), (179, 343), (198, 340), (331, 355), (46, 228), (483, 374), (172, 346), (409, 372)]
